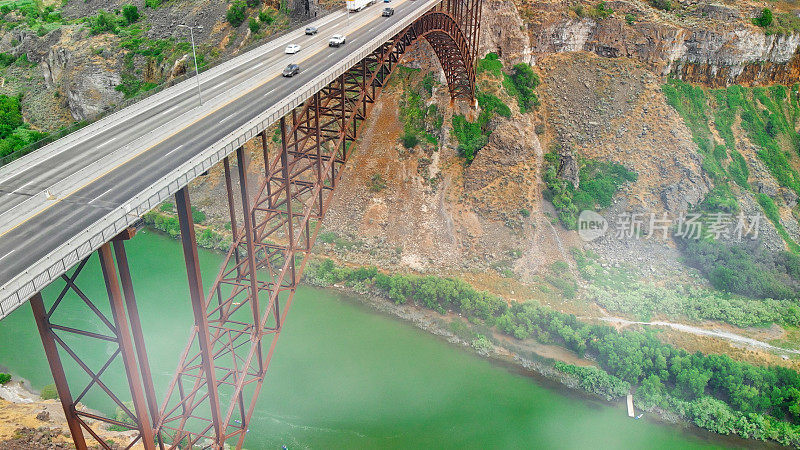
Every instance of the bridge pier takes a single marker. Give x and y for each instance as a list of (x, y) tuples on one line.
[(130, 347)]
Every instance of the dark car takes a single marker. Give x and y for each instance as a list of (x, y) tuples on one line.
[(311, 31), (388, 12), (291, 70)]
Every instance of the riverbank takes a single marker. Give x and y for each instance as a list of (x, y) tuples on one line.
[(28, 422)]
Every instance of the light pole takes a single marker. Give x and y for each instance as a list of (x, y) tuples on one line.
[(194, 53), (347, 11)]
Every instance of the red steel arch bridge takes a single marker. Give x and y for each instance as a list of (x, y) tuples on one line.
[(84, 193)]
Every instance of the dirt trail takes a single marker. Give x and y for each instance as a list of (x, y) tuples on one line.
[(728, 336)]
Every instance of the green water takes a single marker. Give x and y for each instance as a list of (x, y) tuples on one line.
[(345, 377)]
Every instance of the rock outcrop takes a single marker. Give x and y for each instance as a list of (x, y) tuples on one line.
[(709, 43)]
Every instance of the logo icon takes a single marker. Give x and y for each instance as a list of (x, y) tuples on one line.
[(591, 225)]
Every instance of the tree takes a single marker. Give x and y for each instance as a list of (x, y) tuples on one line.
[(254, 25), (5, 378), (236, 13), (130, 13)]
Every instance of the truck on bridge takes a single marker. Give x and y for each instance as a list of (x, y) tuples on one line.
[(358, 5)]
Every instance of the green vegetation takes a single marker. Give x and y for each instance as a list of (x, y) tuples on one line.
[(767, 115), (600, 11), (630, 19), (131, 14), (49, 392), (266, 17), (167, 207), (14, 133), (522, 84), (254, 25), (772, 213), (599, 181), (765, 19), (103, 22), (596, 381), (5, 378), (696, 304), (132, 86), (714, 391), (742, 269), (419, 121), (236, 13), (376, 183), (198, 216), (206, 237), (491, 64), (665, 5)]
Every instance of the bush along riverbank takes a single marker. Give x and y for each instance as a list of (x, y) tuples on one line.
[(714, 392)]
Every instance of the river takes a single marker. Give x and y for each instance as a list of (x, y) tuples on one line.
[(346, 377)]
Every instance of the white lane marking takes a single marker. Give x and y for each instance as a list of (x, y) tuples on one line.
[(24, 186), (168, 111), (98, 197), (270, 92), (224, 119), (175, 150), (7, 255), (108, 141)]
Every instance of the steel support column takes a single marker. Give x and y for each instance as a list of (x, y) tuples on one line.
[(57, 370), (281, 224), (129, 346)]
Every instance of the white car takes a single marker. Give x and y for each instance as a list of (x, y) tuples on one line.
[(336, 40), (291, 49)]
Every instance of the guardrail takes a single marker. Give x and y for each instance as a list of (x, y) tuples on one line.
[(50, 267)]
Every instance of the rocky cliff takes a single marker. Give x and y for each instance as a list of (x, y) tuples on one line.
[(710, 42)]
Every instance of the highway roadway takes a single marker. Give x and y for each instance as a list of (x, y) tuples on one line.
[(57, 192)]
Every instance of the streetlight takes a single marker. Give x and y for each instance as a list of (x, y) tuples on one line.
[(347, 11), (194, 53)]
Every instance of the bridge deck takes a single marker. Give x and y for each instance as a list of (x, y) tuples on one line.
[(107, 175)]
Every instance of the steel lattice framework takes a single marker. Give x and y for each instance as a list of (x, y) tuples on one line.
[(212, 395)]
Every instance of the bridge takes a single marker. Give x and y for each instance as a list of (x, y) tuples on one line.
[(86, 192)]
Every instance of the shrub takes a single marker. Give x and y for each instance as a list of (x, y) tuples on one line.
[(377, 183), (10, 115), (5, 378), (152, 3), (409, 140), (167, 207), (130, 13), (49, 392), (492, 64), (665, 5), (765, 19), (6, 59), (198, 216), (482, 344), (630, 19), (254, 25), (103, 22), (236, 13), (600, 11), (490, 104), (266, 17), (522, 84), (470, 137)]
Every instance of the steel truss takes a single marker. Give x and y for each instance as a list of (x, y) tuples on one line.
[(212, 396), (128, 346)]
